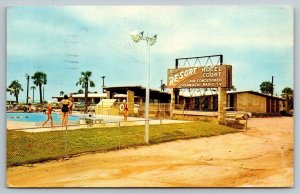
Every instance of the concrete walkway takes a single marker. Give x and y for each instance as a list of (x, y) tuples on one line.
[(107, 121)]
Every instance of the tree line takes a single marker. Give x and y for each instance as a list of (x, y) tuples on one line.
[(40, 78), (267, 87)]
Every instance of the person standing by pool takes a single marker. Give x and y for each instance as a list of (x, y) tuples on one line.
[(71, 107), (66, 104), (29, 108), (124, 109), (49, 115)]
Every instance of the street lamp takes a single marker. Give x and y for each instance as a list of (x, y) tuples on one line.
[(27, 77), (150, 40), (103, 77)]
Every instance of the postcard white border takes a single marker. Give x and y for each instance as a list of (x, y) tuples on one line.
[(5, 3)]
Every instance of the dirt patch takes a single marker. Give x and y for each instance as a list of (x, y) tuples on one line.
[(260, 157)]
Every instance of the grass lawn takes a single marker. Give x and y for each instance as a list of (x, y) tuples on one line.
[(28, 148)]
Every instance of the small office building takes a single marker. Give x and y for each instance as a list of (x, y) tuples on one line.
[(249, 101), (93, 98)]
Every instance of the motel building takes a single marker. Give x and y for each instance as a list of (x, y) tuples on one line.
[(185, 101), (132, 94), (247, 101), (109, 102), (192, 90)]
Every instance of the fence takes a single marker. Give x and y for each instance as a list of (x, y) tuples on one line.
[(32, 145), (38, 144), (156, 110)]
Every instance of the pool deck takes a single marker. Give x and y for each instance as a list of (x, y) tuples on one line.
[(107, 121)]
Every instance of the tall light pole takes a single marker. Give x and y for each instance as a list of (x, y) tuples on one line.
[(103, 77), (150, 40), (27, 77), (272, 92)]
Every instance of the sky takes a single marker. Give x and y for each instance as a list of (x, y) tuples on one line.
[(258, 41)]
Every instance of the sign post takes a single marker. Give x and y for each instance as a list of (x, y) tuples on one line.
[(222, 99)]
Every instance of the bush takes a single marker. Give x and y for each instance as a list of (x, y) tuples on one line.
[(284, 113), (265, 114), (233, 124)]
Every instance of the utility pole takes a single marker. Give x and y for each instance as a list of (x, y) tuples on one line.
[(27, 77), (103, 77), (272, 86)]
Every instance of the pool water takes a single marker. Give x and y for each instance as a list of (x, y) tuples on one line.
[(36, 117)]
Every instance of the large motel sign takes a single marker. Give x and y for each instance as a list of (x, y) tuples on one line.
[(202, 76)]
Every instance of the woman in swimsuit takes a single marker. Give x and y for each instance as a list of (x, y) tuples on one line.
[(49, 111), (125, 111), (66, 104)]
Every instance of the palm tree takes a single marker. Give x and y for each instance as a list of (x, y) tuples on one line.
[(80, 91), (85, 82), (61, 93), (40, 78), (14, 88), (266, 87), (33, 88), (163, 87)]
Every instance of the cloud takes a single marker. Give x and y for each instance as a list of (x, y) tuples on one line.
[(39, 35), (232, 28), (182, 28)]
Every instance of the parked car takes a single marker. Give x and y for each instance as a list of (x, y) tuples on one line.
[(238, 115)]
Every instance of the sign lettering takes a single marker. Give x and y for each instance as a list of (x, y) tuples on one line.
[(200, 77)]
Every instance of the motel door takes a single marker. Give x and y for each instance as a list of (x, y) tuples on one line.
[(268, 104), (277, 106), (231, 101)]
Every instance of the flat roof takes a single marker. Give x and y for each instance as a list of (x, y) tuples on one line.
[(90, 95), (133, 88), (255, 93), (138, 91), (212, 93)]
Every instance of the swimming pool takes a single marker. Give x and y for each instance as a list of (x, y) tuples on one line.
[(36, 117)]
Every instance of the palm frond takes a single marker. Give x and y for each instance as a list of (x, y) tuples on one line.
[(92, 84)]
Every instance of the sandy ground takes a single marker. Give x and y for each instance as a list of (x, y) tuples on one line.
[(260, 157)]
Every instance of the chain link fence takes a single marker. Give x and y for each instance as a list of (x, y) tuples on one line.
[(31, 145), (94, 133), (38, 144)]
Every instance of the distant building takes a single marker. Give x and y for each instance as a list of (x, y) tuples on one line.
[(139, 93), (93, 98), (120, 93), (249, 101)]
